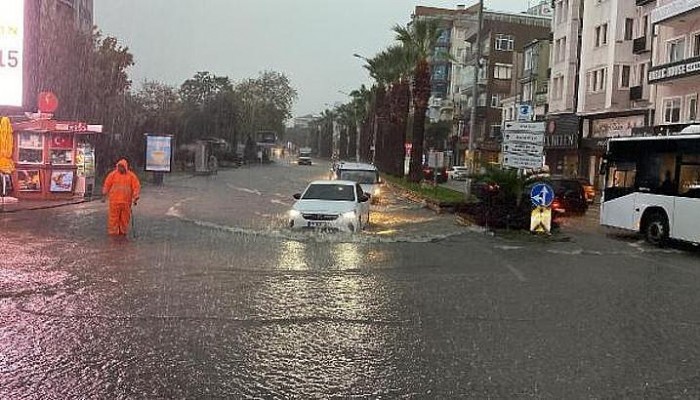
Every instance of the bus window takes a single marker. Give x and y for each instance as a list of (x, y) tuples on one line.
[(622, 175), (690, 181)]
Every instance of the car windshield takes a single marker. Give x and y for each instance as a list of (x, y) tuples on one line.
[(330, 192), (359, 176)]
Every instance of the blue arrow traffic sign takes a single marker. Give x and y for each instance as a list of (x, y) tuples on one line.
[(542, 195)]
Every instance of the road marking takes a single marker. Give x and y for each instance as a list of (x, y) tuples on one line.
[(245, 190), (280, 202), (515, 272)]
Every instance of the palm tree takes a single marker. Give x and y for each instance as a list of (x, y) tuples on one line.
[(419, 38), (391, 69)]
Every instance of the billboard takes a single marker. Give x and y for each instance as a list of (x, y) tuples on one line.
[(159, 153), (12, 53)]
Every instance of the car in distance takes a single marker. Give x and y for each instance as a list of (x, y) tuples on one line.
[(458, 173), (588, 189), (331, 205), (429, 174), (367, 175), (304, 156), (569, 196)]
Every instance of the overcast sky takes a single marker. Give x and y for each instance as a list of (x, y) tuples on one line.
[(312, 41)]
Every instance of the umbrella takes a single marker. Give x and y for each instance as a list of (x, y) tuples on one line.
[(6, 146)]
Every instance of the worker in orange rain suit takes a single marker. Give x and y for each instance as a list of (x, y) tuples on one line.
[(123, 188)]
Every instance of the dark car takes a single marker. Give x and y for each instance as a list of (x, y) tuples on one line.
[(429, 174), (569, 196)]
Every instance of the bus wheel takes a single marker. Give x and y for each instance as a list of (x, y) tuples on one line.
[(656, 229)]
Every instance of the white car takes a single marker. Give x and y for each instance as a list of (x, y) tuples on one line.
[(458, 173), (333, 205)]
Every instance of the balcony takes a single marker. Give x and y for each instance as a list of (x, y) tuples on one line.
[(636, 93), (639, 45), (643, 2)]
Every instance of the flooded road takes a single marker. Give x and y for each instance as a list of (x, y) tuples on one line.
[(213, 298)]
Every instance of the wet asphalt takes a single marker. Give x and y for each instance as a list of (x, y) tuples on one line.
[(212, 297)]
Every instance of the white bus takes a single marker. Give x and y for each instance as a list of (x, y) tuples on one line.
[(652, 186)]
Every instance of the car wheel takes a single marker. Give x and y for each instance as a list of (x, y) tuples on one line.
[(656, 230)]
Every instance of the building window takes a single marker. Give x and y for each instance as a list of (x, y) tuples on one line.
[(696, 45), (564, 10), (629, 25), (675, 49), (672, 110), (596, 80), (529, 59), (560, 50), (503, 71), (601, 35), (625, 76), (504, 42), (495, 131), (645, 25), (693, 108), (642, 76), (560, 89), (31, 148), (496, 100), (527, 92), (482, 100)]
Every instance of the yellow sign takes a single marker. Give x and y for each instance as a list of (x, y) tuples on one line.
[(541, 220)]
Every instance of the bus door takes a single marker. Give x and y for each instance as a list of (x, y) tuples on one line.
[(686, 218), (618, 206)]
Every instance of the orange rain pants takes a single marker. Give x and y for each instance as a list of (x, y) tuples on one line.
[(118, 218)]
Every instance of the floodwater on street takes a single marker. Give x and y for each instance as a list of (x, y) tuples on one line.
[(212, 297)]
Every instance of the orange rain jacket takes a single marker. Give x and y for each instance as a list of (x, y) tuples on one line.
[(122, 188)]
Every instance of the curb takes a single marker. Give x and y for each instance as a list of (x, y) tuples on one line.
[(43, 207)]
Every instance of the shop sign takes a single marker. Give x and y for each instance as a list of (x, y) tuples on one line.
[(561, 141), (159, 153), (675, 70), (12, 53), (616, 127)]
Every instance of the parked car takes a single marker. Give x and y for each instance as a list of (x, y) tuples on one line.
[(429, 174), (569, 196), (458, 173), (331, 205), (588, 189)]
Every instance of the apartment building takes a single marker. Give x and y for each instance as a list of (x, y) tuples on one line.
[(608, 70), (675, 68), (502, 34), (446, 74), (563, 125)]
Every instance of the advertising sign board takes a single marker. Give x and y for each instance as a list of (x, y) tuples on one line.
[(12, 53), (159, 153)]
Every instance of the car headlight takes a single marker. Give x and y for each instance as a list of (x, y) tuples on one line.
[(294, 213), (350, 214)]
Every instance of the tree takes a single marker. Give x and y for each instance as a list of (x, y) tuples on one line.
[(419, 38), (267, 102)]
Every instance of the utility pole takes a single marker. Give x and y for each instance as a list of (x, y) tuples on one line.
[(475, 89)]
